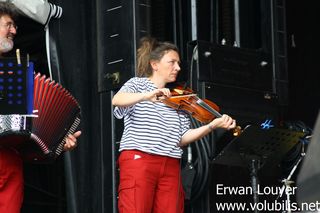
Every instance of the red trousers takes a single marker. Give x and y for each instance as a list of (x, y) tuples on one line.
[(149, 183), (11, 181)]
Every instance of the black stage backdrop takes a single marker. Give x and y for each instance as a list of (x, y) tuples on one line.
[(75, 182), (82, 181), (73, 50)]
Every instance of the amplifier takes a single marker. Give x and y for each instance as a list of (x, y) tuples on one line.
[(247, 106), (233, 66)]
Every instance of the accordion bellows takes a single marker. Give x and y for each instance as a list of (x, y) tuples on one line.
[(56, 115)]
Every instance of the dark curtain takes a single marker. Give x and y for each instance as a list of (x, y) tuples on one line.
[(84, 178), (73, 60), (303, 61)]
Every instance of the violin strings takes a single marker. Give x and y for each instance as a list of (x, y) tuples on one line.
[(207, 107)]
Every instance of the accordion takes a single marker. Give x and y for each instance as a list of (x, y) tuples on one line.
[(41, 136)]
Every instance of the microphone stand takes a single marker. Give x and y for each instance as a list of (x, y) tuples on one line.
[(287, 182)]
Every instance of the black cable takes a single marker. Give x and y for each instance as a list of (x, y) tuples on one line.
[(201, 164), (198, 167), (197, 162), (204, 176), (294, 154)]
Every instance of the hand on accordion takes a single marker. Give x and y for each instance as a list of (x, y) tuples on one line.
[(71, 141)]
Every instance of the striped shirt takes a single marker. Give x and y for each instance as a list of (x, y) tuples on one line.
[(151, 127)]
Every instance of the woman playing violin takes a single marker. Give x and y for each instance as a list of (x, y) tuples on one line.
[(150, 147)]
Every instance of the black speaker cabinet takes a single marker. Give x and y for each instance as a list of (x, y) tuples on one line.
[(247, 106)]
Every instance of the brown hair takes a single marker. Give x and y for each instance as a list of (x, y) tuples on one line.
[(151, 50), (7, 8)]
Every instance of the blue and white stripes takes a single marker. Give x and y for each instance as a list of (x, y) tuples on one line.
[(151, 127)]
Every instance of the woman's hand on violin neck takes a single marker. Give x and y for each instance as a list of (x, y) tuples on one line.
[(224, 122), (157, 95)]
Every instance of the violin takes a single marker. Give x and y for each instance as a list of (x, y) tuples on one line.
[(202, 110)]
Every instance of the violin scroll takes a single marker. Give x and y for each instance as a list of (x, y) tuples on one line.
[(237, 131)]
